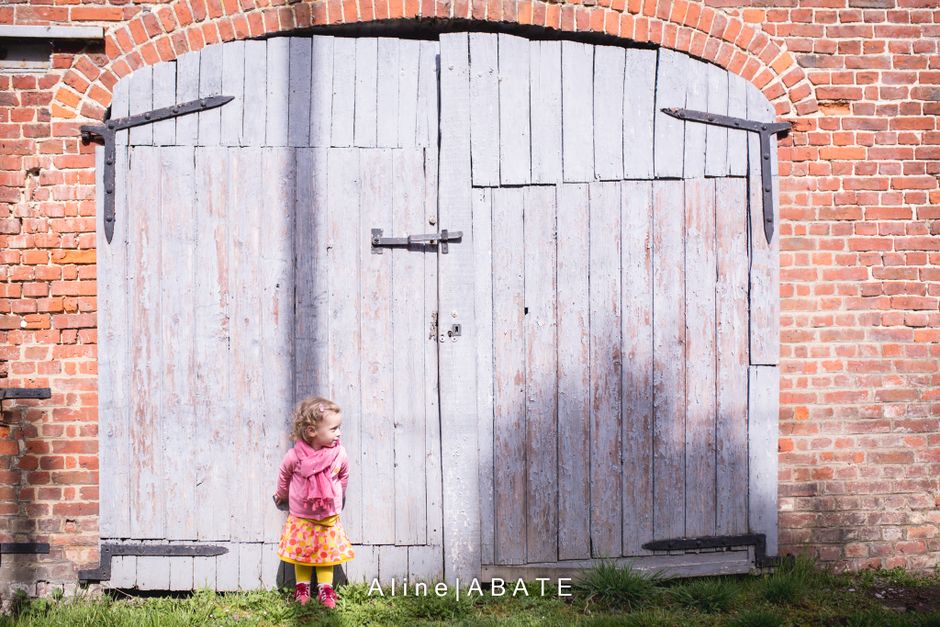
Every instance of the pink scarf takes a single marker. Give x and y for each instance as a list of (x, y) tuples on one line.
[(315, 467)]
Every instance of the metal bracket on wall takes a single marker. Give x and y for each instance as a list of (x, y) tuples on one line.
[(757, 540), (765, 130), (24, 548), (103, 572), (7, 394), (105, 134)]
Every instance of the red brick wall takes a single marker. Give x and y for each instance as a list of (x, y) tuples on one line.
[(860, 261)]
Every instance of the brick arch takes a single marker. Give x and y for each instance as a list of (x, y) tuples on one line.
[(182, 26)]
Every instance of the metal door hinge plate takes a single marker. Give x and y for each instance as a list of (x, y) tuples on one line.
[(757, 540), (103, 572), (105, 134), (764, 130)]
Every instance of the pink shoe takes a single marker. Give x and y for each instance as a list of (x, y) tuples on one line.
[(302, 593), (327, 596)]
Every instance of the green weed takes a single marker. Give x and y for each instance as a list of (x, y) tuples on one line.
[(618, 587), (707, 595)]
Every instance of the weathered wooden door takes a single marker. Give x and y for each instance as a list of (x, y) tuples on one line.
[(241, 278), (624, 331)]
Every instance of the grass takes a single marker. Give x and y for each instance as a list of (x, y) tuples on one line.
[(797, 593)]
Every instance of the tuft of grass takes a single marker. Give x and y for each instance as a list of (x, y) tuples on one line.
[(757, 617), (708, 595), (793, 581), (616, 587), (437, 608)]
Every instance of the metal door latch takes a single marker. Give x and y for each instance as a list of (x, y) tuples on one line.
[(428, 239), (764, 129)]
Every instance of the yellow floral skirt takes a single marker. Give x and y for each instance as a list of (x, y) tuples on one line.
[(314, 542)]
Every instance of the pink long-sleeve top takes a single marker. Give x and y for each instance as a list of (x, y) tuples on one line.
[(291, 484)]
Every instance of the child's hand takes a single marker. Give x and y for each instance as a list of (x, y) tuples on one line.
[(277, 500)]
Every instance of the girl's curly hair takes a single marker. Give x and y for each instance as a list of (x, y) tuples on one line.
[(309, 412)]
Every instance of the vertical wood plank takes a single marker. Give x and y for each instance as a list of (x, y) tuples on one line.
[(153, 573), (366, 91), (204, 573), (459, 445), (509, 373), (233, 84), (181, 573), (514, 132), (637, 332), (393, 564), (378, 456), (606, 362), (763, 433), (700, 357), (716, 137), (638, 113), (312, 283), (141, 100), (765, 257), (608, 112), (409, 56), (737, 140), (277, 88), (255, 115), (245, 189), (425, 563), (226, 569), (484, 108), (210, 84), (344, 91), (541, 376), (123, 572), (732, 341), (276, 319), (574, 373), (300, 85), (366, 565), (668, 360), (671, 77), (187, 89), (144, 194), (164, 95), (346, 232), (114, 370), (408, 337), (545, 110), (269, 565), (483, 302), (212, 299), (321, 91), (577, 92), (176, 336), (696, 98), (387, 102), (427, 124), (249, 565)]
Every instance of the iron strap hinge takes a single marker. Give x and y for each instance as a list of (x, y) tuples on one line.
[(757, 540), (764, 129), (426, 239), (105, 134), (103, 572)]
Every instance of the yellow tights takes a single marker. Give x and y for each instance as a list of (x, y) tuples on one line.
[(304, 573)]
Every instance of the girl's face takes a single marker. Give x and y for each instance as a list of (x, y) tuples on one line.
[(327, 432)]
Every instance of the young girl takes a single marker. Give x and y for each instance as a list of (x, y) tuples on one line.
[(313, 475)]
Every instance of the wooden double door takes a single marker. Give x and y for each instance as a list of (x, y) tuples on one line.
[(587, 369)]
